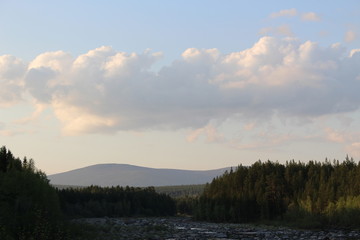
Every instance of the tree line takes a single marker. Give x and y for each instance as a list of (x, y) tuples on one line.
[(95, 201), (180, 191), (32, 209), (313, 194), (29, 206)]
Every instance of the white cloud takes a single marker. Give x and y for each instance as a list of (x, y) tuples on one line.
[(12, 71), (306, 16), (11, 67), (285, 13), (109, 91), (284, 30), (58, 61), (354, 51), (310, 16), (77, 120)]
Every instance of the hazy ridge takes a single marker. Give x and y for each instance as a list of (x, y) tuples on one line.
[(130, 175)]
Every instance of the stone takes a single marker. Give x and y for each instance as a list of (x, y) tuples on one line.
[(176, 228)]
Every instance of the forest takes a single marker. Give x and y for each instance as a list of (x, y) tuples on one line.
[(309, 195), (95, 201), (29, 206), (32, 209), (314, 194)]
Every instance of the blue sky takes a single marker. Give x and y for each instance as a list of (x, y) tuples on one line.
[(179, 84)]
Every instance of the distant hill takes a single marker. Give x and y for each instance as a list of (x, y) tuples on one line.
[(130, 175)]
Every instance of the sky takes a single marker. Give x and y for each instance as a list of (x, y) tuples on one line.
[(179, 84)]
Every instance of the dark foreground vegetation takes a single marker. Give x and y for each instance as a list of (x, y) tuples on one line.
[(308, 195), (31, 209), (29, 206), (117, 201)]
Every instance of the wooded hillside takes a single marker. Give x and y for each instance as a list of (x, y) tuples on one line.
[(318, 193)]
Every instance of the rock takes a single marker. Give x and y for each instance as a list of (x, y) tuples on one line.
[(176, 228)]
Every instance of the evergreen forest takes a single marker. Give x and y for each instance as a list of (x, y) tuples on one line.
[(29, 206), (314, 194), (32, 209), (95, 201)]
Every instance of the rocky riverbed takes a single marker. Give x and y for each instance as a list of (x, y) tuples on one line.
[(185, 229)]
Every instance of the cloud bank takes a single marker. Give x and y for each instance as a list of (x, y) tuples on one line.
[(105, 90)]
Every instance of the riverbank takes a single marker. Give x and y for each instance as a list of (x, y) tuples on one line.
[(183, 228)]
